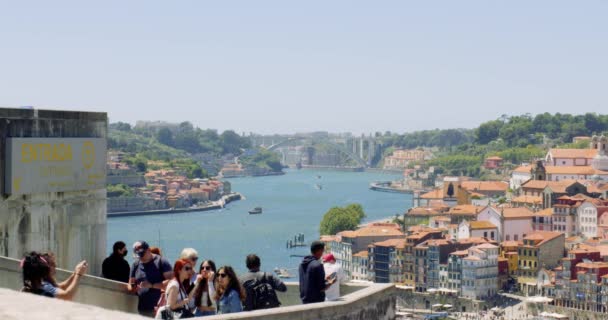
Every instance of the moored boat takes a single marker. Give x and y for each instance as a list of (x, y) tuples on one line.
[(256, 210)]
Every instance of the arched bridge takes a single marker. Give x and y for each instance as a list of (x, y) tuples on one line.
[(360, 161)]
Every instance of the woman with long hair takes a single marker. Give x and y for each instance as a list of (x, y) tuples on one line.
[(176, 292), (39, 276), (204, 294), (229, 293)]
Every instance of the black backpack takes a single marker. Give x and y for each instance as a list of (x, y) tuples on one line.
[(260, 294)]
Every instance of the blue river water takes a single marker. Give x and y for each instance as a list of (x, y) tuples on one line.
[(292, 204)]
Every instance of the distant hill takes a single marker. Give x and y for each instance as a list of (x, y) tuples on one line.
[(132, 142)]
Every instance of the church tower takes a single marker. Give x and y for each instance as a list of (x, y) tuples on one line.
[(538, 171), (600, 161)]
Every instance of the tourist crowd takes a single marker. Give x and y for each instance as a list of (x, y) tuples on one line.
[(188, 289)]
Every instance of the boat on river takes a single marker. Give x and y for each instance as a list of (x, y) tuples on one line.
[(283, 273), (256, 210)]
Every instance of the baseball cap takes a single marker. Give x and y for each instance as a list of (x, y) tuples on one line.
[(329, 257), (140, 248)]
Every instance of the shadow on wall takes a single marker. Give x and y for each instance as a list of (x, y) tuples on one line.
[(360, 301)]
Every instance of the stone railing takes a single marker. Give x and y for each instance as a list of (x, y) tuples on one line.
[(359, 301), (91, 290)]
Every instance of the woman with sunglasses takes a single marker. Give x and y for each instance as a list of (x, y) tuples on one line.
[(206, 291), (177, 288), (229, 292)]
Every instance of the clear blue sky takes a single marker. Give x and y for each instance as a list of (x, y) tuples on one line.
[(287, 66)]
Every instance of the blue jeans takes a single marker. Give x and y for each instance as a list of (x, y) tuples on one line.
[(199, 313)]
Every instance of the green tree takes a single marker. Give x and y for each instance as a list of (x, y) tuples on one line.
[(338, 219), (357, 209), (488, 131), (165, 136), (140, 165), (231, 142), (120, 126)]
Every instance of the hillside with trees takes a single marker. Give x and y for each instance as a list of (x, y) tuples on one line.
[(516, 139), (175, 145)]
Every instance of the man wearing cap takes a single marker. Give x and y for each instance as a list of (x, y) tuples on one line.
[(331, 267), (148, 277), (313, 281)]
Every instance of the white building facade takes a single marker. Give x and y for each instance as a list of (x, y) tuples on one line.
[(480, 272), (586, 220)]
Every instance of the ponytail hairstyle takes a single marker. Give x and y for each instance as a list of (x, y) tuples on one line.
[(36, 269)]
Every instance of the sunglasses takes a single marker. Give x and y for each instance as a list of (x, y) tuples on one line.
[(206, 268), (222, 275), (188, 268)]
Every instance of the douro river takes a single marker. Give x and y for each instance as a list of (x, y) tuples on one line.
[(293, 203)]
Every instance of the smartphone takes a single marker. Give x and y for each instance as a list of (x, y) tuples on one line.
[(333, 275)]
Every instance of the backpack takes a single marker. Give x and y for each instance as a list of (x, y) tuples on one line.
[(260, 294)]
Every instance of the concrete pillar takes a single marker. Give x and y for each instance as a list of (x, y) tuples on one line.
[(370, 152), (361, 147), (72, 224)]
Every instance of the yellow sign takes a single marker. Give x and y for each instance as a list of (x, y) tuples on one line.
[(88, 154), (54, 152), (36, 165)]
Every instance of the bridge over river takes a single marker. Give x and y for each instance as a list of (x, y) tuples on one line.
[(363, 151)]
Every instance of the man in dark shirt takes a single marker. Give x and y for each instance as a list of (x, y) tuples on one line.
[(148, 278), (115, 267), (313, 282), (254, 277)]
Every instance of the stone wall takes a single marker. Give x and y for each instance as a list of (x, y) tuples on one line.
[(126, 204), (131, 181), (572, 313), (416, 300), (91, 290), (71, 224), (376, 301), (17, 305)]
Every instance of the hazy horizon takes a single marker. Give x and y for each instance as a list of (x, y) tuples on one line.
[(278, 67)]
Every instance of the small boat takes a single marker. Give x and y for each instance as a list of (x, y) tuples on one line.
[(319, 186), (318, 177), (256, 210), (282, 273)]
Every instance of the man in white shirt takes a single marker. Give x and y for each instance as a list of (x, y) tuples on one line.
[(331, 267)]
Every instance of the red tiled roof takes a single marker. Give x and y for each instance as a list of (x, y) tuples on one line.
[(478, 225), (465, 209), (397, 243), (498, 186), (544, 213), (573, 153), (422, 211), (361, 254), (374, 229), (574, 170), (556, 186), (516, 213), (544, 236), (435, 194), (527, 200), (523, 169)]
